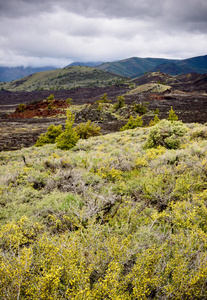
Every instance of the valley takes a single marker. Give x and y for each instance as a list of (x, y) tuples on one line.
[(116, 215), (185, 93)]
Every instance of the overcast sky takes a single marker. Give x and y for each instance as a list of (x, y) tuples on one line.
[(58, 32)]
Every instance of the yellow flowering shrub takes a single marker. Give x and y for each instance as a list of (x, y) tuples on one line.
[(13, 273), (113, 267), (149, 155), (109, 173), (106, 219), (17, 234)]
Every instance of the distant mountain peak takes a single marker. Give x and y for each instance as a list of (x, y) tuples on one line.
[(85, 64)]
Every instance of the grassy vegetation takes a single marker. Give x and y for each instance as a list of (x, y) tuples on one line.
[(66, 78), (107, 219), (149, 87)]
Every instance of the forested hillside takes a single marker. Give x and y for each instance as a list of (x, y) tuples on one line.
[(136, 66)]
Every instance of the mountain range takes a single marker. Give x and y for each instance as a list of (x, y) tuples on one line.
[(131, 67), (8, 74), (135, 66)]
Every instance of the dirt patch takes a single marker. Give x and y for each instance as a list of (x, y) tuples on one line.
[(19, 133)]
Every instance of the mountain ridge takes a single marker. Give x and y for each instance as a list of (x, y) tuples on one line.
[(136, 66), (132, 67)]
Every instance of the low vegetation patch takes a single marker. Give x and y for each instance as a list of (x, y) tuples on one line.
[(68, 138), (108, 218)]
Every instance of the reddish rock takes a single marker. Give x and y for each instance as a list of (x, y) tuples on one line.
[(156, 97), (41, 109)]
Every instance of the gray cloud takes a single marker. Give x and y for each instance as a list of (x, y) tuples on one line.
[(187, 10), (115, 8), (41, 32)]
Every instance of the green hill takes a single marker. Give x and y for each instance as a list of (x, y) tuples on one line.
[(136, 66), (66, 78), (191, 65), (132, 67), (120, 216)]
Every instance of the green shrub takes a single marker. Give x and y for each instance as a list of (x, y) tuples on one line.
[(49, 106), (69, 101), (120, 103), (69, 137), (157, 111), (167, 134), (104, 99), (100, 107), (172, 115), (21, 107), (133, 123), (155, 121), (50, 136), (86, 130), (51, 97), (141, 108)]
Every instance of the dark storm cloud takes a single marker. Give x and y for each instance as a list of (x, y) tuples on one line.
[(56, 31), (186, 10), (18, 8), (190, 10), (189, 14), (115, 8)]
